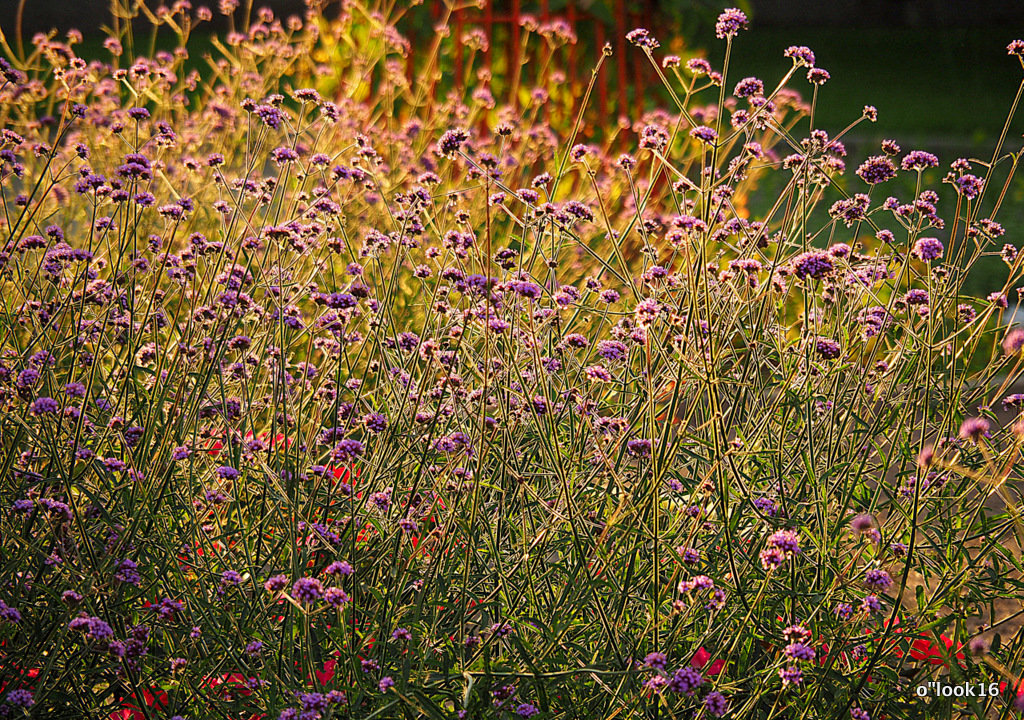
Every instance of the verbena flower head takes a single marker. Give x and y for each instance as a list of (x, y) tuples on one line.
[(791, 675), (970, 186), (814, 264), (698, 66), (20, 698), (928, 249), (974, 429), (336, 597), (862, 523), (657, 660), (730, 22), (270, 115), (818, 76), (828, 349), (276, 584), (800, 55), (339, 567), (685, 681), (1013, 341), (307, 590), (704, 134), (877, 579), (94, 628), (642, 39), (749, 87), (978, 646), (44, 406), (180, 453), (919, 160), (450, 143), (782, 545), (799, 651), (877, 169), (9, 614), (871, 604), (715, 704), (639, 447), (225, 472)]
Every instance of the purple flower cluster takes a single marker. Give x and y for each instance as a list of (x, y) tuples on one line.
[(928, 249), (642, 39), (93, 627), (444, 332), (877, 169), (782, 545), (814, 264), (828, 349), (704, 134), (730, 22), (919, 160), (307, 590), (449, 144), (685, 681), (974, 429), (877, 579)]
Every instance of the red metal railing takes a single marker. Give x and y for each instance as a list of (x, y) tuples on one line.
[(501, 22)]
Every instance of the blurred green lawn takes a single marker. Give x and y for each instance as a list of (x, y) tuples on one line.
[(945, 90), (953, 85)]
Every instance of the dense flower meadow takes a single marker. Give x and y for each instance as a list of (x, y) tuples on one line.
[(322, 399)]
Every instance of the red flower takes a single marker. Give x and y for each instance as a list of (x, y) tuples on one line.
[(129, 710), (32, 673), (700, 659), (924, 649)]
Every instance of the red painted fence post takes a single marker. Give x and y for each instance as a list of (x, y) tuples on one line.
[(512, 52), (602, 79), (620, 50), (458, 48), (489, 29)]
